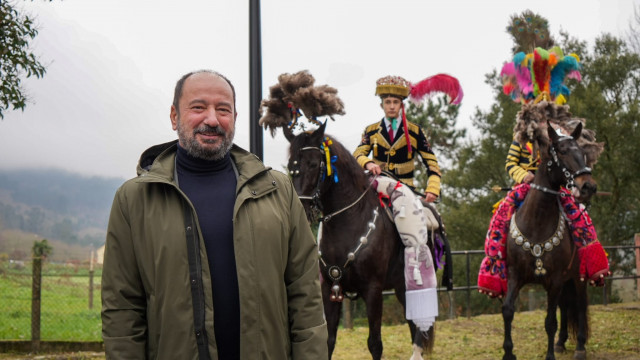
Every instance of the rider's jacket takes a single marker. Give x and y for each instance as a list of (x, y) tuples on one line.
[(393, 155), (520, 161)]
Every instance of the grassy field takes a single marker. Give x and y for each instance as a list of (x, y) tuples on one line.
[(615, 335), (65, 313)]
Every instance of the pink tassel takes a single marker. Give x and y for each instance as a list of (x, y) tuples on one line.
[(575, 74), (437, 83)]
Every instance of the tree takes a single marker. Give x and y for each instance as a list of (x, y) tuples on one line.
[(41, 249), (608, 98), (17, 61), (438, 120)]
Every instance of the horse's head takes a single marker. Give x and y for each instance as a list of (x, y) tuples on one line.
[(307, 167), (567, 164)]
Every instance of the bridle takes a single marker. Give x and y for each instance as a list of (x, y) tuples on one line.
[(316, 205), (570, 177)]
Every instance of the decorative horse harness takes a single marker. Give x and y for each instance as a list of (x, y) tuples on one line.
[(538, 249)]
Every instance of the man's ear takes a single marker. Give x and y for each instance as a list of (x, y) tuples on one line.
[(173, 115)]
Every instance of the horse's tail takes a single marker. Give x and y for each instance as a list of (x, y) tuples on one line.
[(574, 300)]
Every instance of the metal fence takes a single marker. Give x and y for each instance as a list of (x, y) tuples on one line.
[(68, 307), (471, 275), (62, 303)]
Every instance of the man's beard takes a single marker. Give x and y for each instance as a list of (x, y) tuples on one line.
[(195, 149)]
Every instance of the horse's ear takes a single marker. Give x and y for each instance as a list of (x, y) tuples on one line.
[(288, 133), (318, 135), (553, 135), (577, 131)]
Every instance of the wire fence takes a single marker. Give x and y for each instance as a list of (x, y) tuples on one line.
[(62, 304), (67, 305)]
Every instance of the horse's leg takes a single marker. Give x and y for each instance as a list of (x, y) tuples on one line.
[(551, 320), (417, 338), (332, 312), (508, 309), (583, 322), (563, 335), (373, 300), (567, 295)]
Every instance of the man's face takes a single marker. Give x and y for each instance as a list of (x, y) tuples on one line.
[(391, 106), (206, 118)]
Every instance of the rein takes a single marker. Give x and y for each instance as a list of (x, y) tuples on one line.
[(568, 175), (315, 196), (328, 217)]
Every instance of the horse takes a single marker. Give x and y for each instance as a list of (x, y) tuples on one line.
[(540, 249), (361, 253)]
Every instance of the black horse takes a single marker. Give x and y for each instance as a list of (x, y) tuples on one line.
[(540, 249), (361, 253)]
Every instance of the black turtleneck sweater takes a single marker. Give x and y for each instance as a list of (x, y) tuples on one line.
[(211, 188)]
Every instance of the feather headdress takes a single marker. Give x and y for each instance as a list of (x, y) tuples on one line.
[(295, 95), (536, 78), (532, 115), (538, 70)]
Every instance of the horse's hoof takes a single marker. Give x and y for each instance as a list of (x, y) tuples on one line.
[(580, 354), (559, 349), (510, 357)]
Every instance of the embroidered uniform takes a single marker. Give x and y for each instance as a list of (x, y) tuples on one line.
[(520, 161), (394, 156)]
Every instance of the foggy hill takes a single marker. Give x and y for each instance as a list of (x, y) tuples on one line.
[(57, 204)]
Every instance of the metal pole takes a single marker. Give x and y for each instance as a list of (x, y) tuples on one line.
[(255, 79)]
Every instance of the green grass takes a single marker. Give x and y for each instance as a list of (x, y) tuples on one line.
[(65, 313)]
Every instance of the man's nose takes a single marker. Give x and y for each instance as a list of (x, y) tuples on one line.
[(212, 118)]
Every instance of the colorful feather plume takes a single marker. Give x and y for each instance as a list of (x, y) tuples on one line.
[(529, 31), (437, 83), (542, 72)]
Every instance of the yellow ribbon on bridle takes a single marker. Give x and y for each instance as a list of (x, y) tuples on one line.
[(327, 154)]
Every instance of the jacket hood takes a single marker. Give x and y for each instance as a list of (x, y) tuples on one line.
[(160, 160)]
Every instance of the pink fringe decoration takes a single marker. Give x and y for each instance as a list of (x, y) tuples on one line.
[(437, 83)]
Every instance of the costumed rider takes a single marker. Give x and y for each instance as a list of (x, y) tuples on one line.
[(536, 80), (394, 143)]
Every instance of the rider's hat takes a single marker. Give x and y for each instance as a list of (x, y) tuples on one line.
[(393, 85)]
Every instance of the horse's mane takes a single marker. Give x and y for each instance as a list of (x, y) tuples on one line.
[(348, 164), (529, 118)]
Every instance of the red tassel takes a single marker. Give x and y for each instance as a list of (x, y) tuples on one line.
[(406, 131), (437, 83)]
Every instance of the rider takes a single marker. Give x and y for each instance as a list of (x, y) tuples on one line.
[(395, 141), (521, 164)]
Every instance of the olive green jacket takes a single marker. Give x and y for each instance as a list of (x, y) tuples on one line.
[(156, 287)]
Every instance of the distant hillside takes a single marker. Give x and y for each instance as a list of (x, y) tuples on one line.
[(56, 204)]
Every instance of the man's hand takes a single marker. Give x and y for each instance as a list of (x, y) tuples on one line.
[(528, 178), (373, 168), (430, 197)]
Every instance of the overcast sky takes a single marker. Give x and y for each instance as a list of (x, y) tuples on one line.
[(112, 64)]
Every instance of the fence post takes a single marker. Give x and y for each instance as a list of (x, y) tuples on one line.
[(348, 318), (36, 290), (468, 285), (637, 238), (91, 281)]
